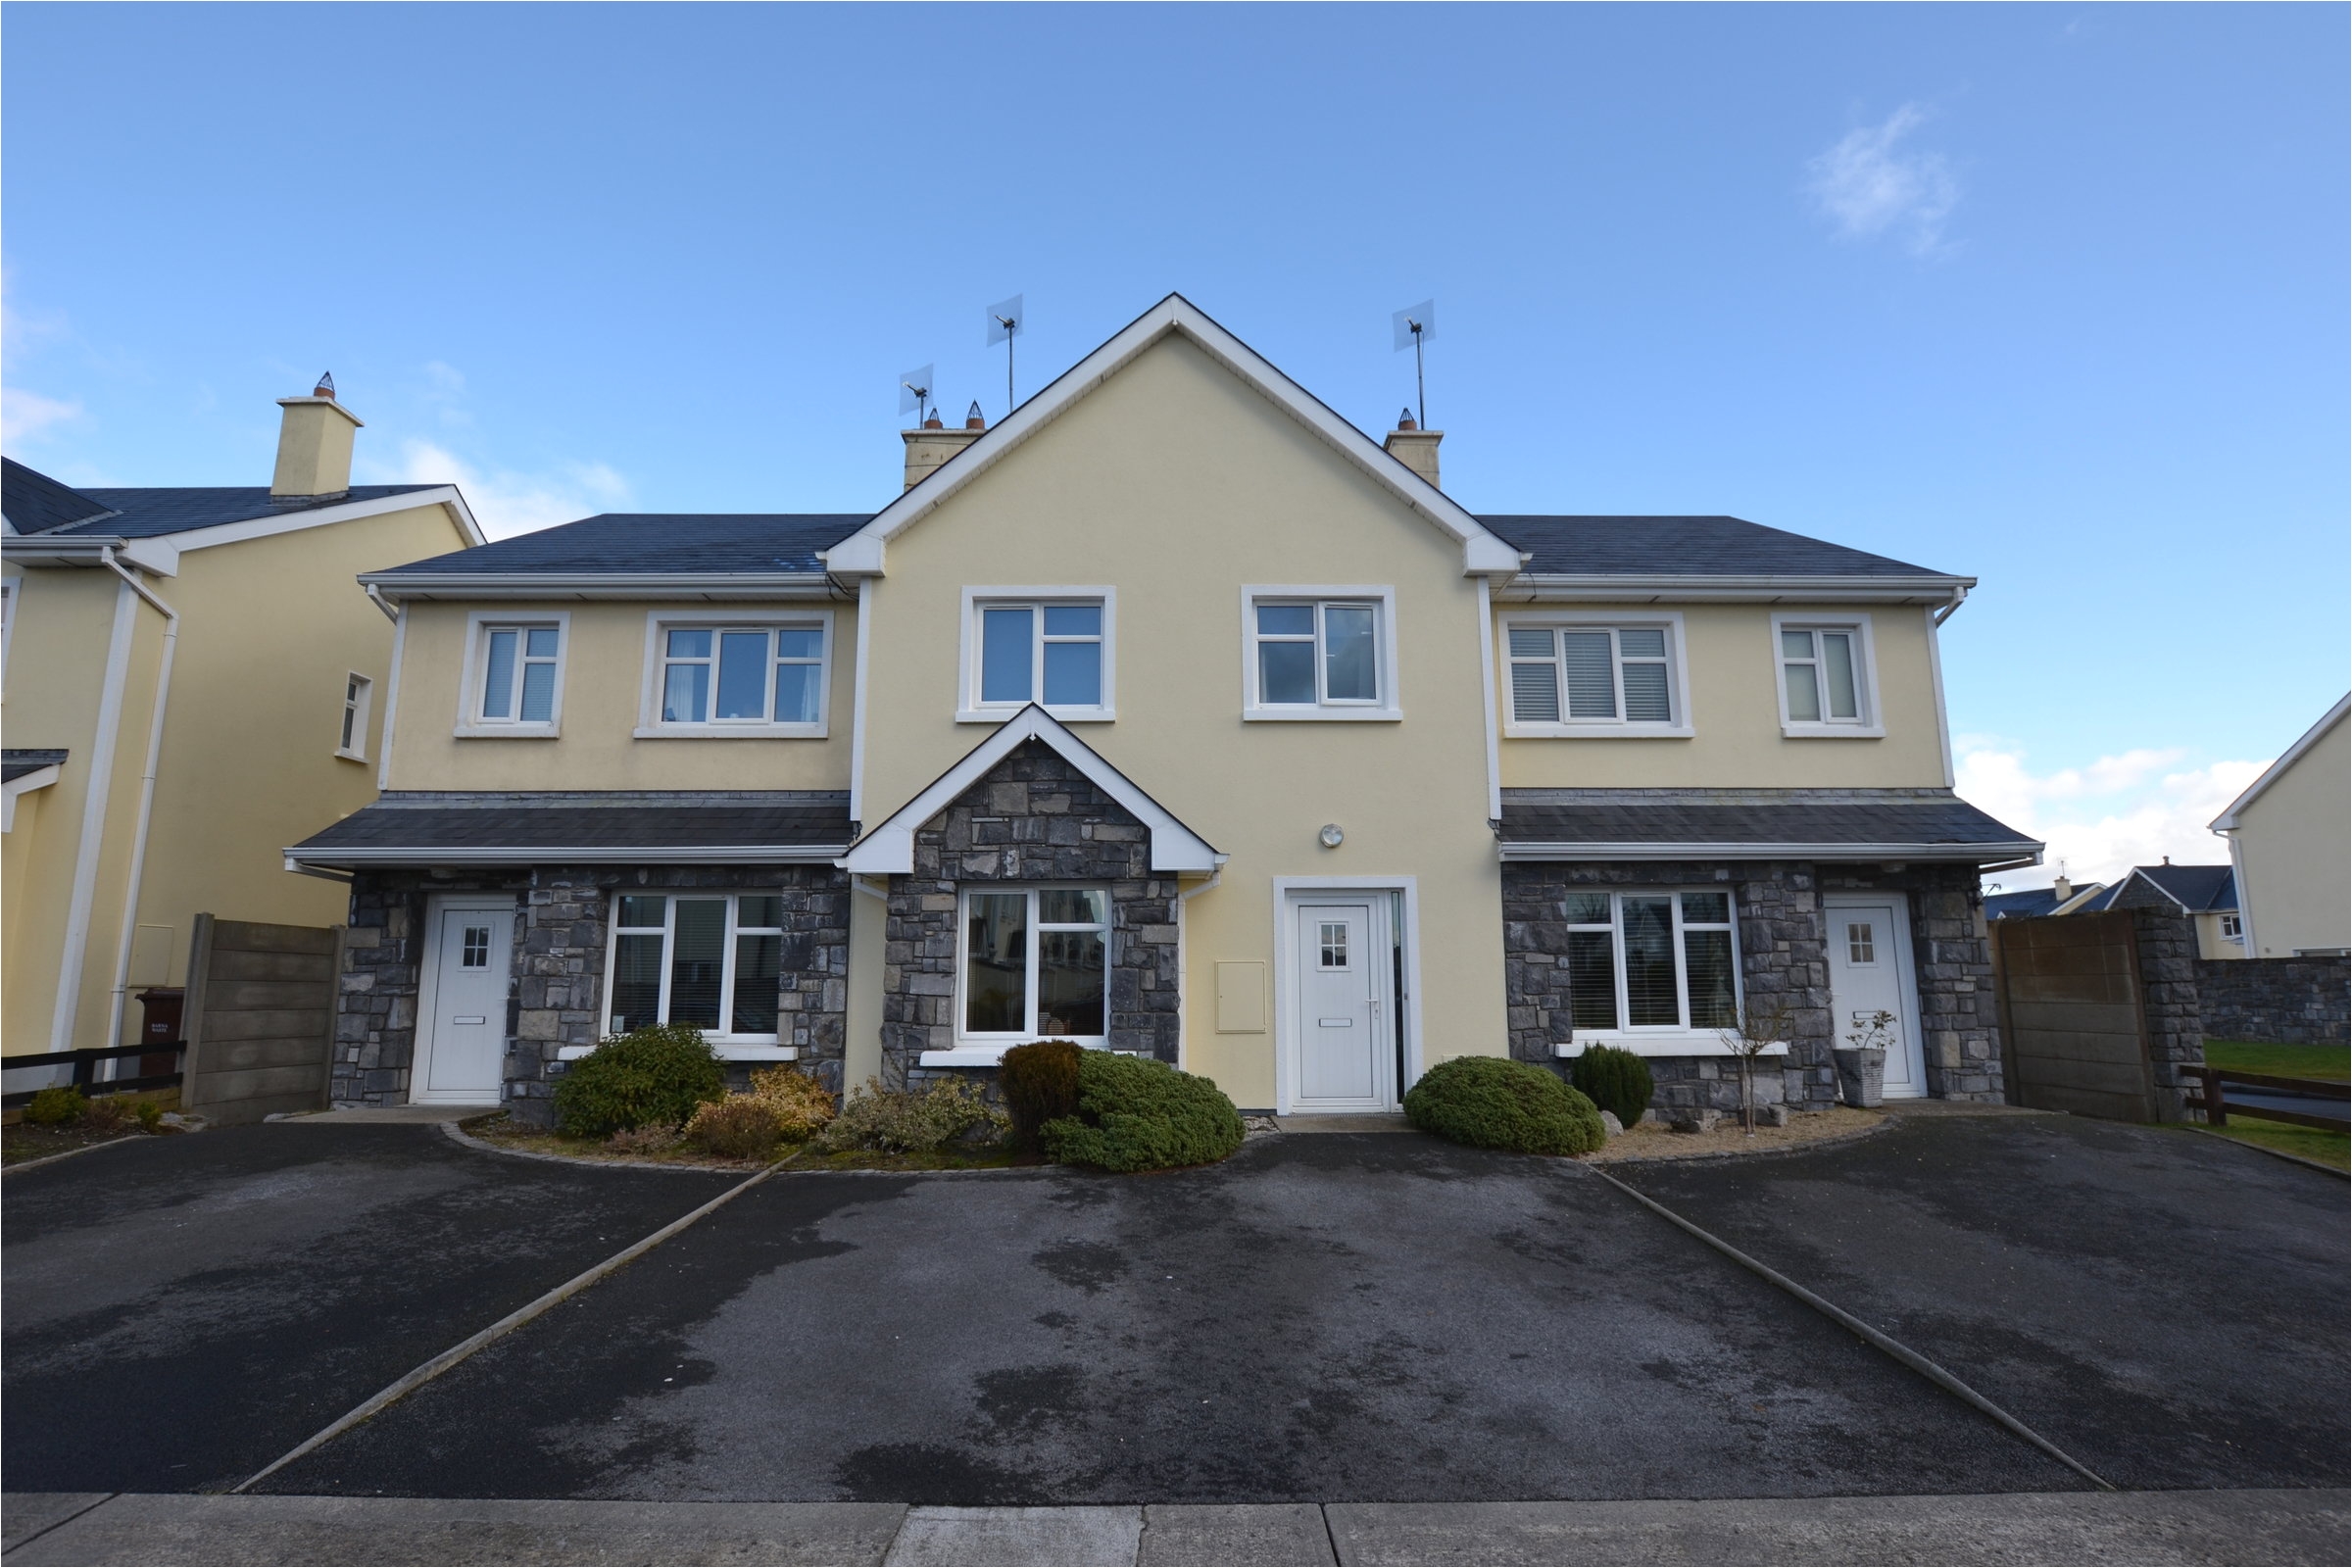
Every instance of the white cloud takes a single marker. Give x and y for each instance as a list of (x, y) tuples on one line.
[(1869, 186), (2101, 819), (507, 502), (27, 416)]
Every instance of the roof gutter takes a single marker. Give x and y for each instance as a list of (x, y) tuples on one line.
[(593, 585), (1959, 598), (1627, 587), (301, 859), (2024, 852)]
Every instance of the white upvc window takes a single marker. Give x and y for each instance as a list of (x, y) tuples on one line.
[(1319, 653), (359, 696), (1055, 647), (1032, 964), (2233, 928), (1597, 674), (1828, 676), (513, 673), (736, 676), (1652, 962), (710, 959)]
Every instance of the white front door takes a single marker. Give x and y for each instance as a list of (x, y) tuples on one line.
[(462, 1040), (1870, 972), (1343, 1015)]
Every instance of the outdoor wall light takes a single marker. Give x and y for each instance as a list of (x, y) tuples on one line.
[(1331, 837)]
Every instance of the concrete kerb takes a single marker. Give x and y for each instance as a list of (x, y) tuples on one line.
[(2337, 1172), (484, 1146), (86, 1148)]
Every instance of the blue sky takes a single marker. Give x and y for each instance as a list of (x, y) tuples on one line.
[(2051, 295)]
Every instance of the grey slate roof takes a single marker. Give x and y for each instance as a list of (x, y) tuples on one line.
[(2201, 889), (635, 543), (37, 503), (34, 503), (17, 760), (416, 827), (1693, 819), (1642, 546), (2020, 905)]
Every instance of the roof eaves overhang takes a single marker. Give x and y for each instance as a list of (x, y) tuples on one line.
[(597, 585), (2020, 851), (1484, 551), (1684, 588), (2226, 822), (294, 520), (158, 556), (410, 856)]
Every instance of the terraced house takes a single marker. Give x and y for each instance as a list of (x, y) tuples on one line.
[(1173, 714)]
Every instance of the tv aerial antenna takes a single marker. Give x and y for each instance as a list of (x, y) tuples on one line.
[(914, 393), (1005, 320), (1415, 325)]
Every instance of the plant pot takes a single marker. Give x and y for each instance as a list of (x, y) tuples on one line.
[(1862, 1074)]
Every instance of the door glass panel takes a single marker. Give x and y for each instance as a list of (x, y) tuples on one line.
[(1069, 983), (1707, 960), (1650, 963), (1861, 945), (1006, 642), (698, 955), (742, 674), (996, 961), (757, 967), (1592, 979), (1333, 943), (1074, 674), (1349, 675), (637, 979), (1073, 907), (1285, 671), (477, 954)]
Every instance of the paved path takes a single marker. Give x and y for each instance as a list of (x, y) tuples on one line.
[(2180, 1527)]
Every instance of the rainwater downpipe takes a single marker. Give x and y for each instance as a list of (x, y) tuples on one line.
[(119, 998)]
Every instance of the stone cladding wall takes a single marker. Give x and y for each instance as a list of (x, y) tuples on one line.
[(1032, 818), (2169, 1006), (2293, 1001), (1782, 954), (562, 919)]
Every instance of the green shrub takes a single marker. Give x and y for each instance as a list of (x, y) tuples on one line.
[(798, 1103), (896, 1121), (1491, 1102), (56, 1106), (107, 1114), (1135, 1113), (1040, 1083), (654, 1076), (738, 1127), (1614, 1080), (151, 1115)]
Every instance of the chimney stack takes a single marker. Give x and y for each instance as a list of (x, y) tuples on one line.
[(2063, 888), (934, 442), (314, 446), (1415, 447)]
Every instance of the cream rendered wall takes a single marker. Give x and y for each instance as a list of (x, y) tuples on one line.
[(1176, 483), (2211, 943), (1736, 716), (2294, 844), (603, 685)]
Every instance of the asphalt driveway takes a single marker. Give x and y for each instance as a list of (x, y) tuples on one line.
[(1325, 1317)]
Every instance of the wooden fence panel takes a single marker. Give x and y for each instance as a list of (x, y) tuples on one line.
[(2073, 1017), (260, 1019)]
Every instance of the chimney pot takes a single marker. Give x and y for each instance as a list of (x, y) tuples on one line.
[(1404, 420), (973, 419), (327, 385), (933, 423)]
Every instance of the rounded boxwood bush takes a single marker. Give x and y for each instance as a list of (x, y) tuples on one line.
[(1135, 1113), (654, 1076), (1614, 1080), (56, 1106), (1040, 1084), (1493, 1102)]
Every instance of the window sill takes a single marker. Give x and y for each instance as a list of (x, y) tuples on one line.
[(987, 1056), (350, 756), (508, 732), (1326, 716), (1834, 732), (730, 732), (1697, 1042), (1597, 732), (750, 1051), (1067, 715)]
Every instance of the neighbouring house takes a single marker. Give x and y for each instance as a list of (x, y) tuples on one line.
[(2062, 897), (1176, 716), (191, 681), (2291, 847), (2206, 894)]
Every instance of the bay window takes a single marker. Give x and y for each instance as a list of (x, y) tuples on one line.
[(1033, 963), (1662, 962), (712, 960)]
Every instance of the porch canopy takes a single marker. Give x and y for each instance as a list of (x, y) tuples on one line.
[(1754, 824), (440, 827)]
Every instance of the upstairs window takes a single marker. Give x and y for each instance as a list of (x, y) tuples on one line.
[(1599, 678), (1319, 658), (518, 674), (1825, 678), (1052, 651), (762, 676), (1642, 962), (714, 962), (359, 694)]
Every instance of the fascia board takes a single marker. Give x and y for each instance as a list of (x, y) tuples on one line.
[(594, 585), (230, 533), (2227, 821), (36, 548), (1525, 851), (1484, 551), (544, 854), (1605, 588)]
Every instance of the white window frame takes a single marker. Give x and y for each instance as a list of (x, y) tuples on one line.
[(1678, 677), (731, 1046), (358, 703), (478, 624), (2233, 928), (1661, 1040), (1385, 708), (1870, 724), (659, 622), (985, 1050), (969, 710)]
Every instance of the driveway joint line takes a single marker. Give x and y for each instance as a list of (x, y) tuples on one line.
[(409, 1382), (2237, 1142), (103, 1499), (1888, 1343)]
